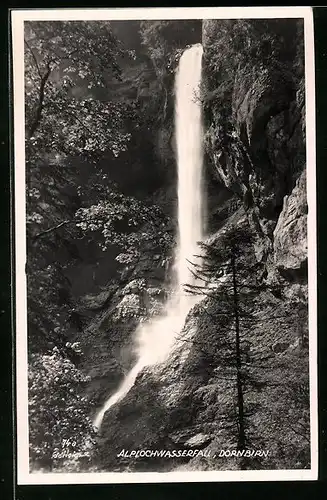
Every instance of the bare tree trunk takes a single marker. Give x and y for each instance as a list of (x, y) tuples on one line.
[(39, 109), (239, 381)]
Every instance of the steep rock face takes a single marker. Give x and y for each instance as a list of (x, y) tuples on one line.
[(188, 402), (158, 47), (290, 234), (255, 137), (168, 392), (112, 316)]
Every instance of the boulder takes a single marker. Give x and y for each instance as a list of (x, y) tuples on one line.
[(129, 307)]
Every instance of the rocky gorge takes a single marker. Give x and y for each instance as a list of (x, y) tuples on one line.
[(253, 99)]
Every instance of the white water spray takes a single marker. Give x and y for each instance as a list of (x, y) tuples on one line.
[(156, 338)]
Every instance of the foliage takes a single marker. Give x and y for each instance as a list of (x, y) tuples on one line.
[(51, 200), (257, 358), (65, 62), (60, 429), (232, 44), (125, 222), (72, 121), (240, 51), (160, 47), (165, 42), (48, 316), (66, 122)]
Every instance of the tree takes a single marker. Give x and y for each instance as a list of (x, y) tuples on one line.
[(127, 223), (165, 41), (115, 219), (68, 64), (225, 268), (262, 381), (73, 118), (69, 108)]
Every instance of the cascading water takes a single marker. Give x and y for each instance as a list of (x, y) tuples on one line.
[(156, 338), (189, 136)]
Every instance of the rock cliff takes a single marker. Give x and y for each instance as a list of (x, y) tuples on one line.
[(255, 140), (254, 107)]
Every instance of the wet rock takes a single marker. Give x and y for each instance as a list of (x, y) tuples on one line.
[(268, 95), (156, 292), (290, 235), (180, 437), (188, 439)]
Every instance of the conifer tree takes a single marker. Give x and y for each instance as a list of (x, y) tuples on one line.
[(229, 276)]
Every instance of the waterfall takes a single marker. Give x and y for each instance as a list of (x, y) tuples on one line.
[(156, 338), (189, 134)]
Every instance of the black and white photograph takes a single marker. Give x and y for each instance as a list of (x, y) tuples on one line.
[(165, 245)]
